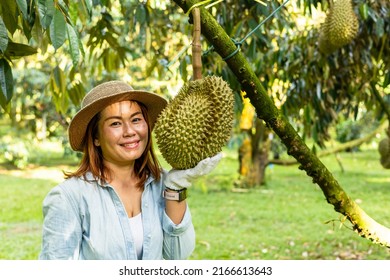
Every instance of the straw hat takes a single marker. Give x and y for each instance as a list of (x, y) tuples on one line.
[(103, 95)]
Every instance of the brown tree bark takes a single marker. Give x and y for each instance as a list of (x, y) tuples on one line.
[(254, 156)]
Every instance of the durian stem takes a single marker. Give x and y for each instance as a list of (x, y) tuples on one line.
[(196, 46)]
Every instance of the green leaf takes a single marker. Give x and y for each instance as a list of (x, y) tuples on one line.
[(63, 6), (183, 69), (16, 50), (27, 27), (10, 17), (140, 14), (58, 29), (76, 93), (46, 11), (88, 6), (379, 27), (252, 51), (73, 44), (58, 89), (314, 133), (307, 114), (22, 4), (59, 79), (6, 83), (3, 36), (151, 66), (37, 33), (386, 82), (363, 11)]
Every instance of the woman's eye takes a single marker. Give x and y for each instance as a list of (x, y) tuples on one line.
[(115, 123), (136, 120)]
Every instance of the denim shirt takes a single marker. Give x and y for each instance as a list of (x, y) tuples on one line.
[(85, 220)]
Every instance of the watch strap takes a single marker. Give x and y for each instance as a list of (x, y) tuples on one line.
[(175, 195)]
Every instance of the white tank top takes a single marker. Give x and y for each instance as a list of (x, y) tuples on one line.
[(137, 231)]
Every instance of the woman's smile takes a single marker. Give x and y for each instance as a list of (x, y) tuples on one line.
[(130, 145)]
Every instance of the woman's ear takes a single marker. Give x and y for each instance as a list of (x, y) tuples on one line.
[(96, 142)]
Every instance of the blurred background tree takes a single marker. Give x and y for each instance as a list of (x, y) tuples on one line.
[(52, 52)]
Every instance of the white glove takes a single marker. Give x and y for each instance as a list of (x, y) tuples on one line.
[(180, 179)]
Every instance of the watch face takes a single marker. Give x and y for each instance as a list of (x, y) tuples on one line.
[(182, 194)]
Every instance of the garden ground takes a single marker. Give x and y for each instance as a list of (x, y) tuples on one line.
[(288, 218)]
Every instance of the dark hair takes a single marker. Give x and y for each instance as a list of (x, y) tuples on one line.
[(92, 160)]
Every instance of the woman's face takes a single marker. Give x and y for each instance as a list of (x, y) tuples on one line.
[(122, 133)]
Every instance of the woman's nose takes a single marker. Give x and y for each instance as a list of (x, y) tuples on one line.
[(128, 130)]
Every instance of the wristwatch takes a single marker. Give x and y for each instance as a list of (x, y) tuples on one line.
[(176, 195)]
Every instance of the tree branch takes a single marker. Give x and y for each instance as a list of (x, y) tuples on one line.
[(379, 98), (338, 148)]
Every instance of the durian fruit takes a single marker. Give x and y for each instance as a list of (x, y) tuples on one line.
[(340, 27), (384, 151), (323, 43), (197, 123)]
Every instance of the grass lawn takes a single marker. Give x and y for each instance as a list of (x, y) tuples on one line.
[(288, 218)]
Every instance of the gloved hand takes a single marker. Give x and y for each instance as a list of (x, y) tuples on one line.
[(180, 179)]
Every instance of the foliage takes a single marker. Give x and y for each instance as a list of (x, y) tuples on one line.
[(83, 44), (14, 151), (310, 87), (103, 42), (349, 129), (330, 85)]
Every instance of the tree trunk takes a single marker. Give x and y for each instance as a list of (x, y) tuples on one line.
[(363, 224), (260, 156), (254, 156)]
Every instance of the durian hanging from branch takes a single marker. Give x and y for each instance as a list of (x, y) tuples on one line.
[(340, 27), (198, 121)]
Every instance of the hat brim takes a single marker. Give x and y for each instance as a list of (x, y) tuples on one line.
[(78, 126)]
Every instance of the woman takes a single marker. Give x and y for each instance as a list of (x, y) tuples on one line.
[(119, 203)]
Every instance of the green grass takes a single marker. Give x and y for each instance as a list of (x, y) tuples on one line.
[(20, 216), (288, 218)]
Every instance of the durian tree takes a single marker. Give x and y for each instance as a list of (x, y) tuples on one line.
[(266, 110), (315, 89), (279, 53)]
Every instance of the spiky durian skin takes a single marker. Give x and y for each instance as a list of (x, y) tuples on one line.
[(340, 27), (197, 123), (323, 43)]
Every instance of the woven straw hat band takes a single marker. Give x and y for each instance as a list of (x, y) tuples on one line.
[(104, 90)]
